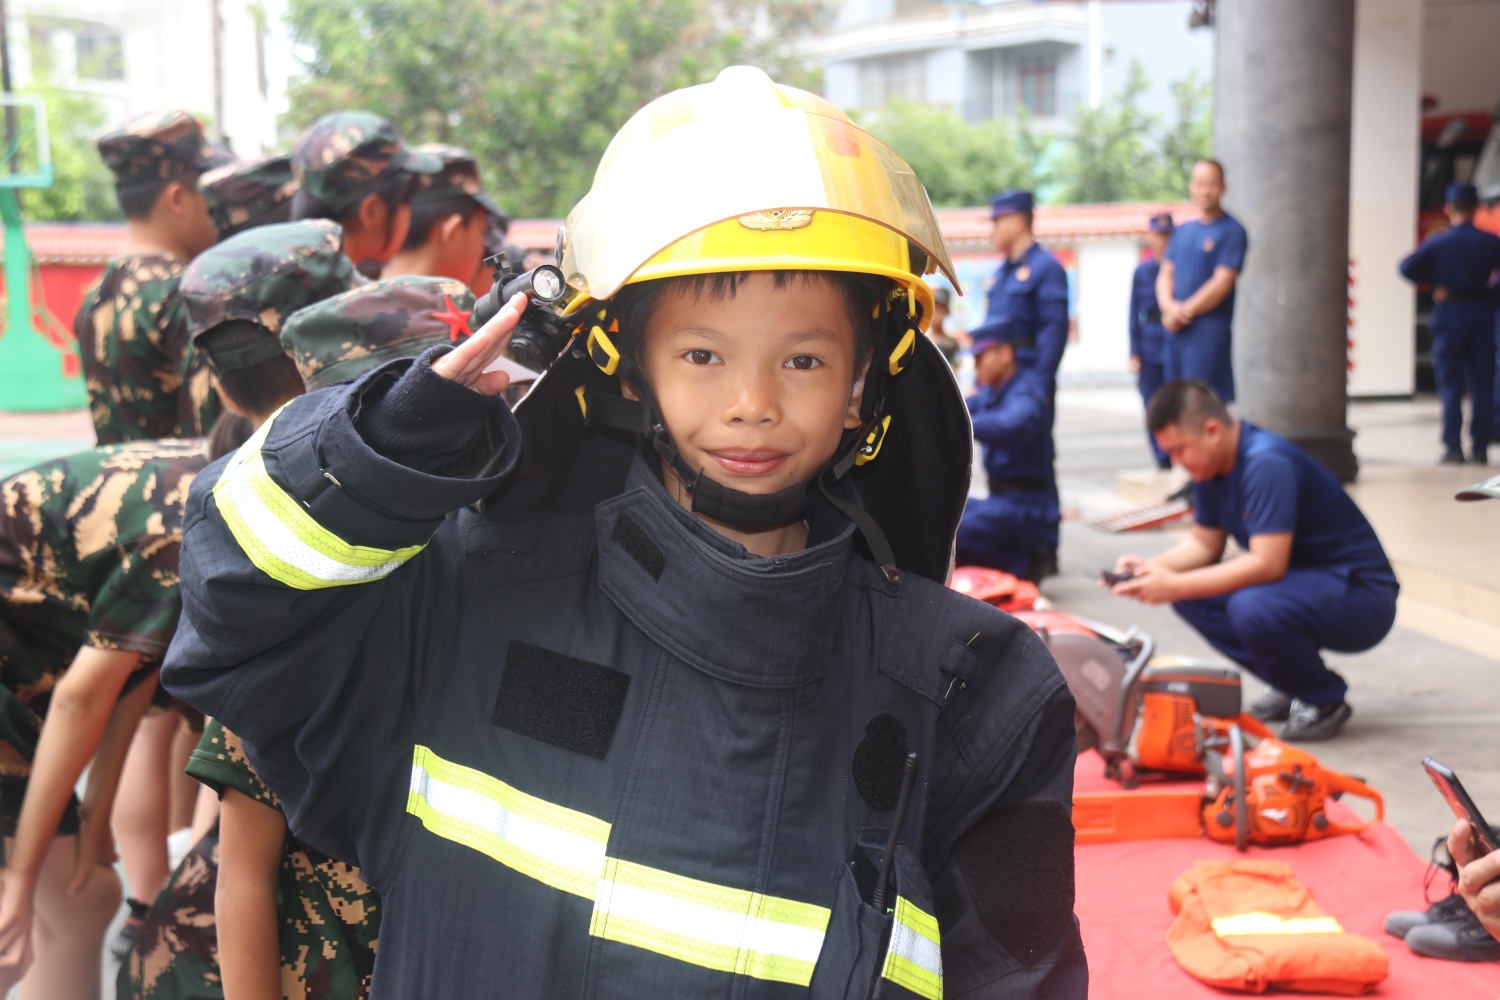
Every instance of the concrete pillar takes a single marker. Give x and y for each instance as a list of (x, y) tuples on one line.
[(1281, 128)]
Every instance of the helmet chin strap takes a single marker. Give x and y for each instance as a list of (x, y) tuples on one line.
[(894, 347)]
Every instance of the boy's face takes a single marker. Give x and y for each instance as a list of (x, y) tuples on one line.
[(755, 388), (995, 364)]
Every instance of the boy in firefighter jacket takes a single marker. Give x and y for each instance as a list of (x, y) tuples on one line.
[(614, 695)]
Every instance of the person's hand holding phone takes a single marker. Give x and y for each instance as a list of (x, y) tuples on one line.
[(1478, 875)]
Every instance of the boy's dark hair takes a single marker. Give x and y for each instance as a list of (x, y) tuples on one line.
[(138, 200), (1029, 217), (230, 430), (633, 304), (428, 212), (394, 187), (261, 387), (1184, 403)]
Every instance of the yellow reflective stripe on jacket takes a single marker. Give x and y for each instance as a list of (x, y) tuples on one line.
[(560, 847), (281, 538), (1270, 923), (713, 926), (915, 957)]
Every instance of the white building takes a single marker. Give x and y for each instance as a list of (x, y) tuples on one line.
[(993, 59), (145, 55)]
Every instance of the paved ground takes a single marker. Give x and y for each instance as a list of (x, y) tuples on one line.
[(1413, 696)]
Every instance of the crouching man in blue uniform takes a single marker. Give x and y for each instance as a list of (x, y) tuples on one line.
[(1313, 575), (1014, 528), (624, 692)]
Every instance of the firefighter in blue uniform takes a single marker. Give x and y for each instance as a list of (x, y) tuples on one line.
[(1030, 288), (1460, 264), (603, 694), (1147, 335), (1195, 289), (1014, 528)]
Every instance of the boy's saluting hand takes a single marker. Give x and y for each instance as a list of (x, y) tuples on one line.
[(466, 363)]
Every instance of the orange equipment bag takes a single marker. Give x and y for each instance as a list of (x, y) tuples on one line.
[(1250, 925), (1272, 793)]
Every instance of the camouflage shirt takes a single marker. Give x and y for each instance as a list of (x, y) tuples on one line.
[(330, 917), (134, 355), (88, 556), (176, 952)]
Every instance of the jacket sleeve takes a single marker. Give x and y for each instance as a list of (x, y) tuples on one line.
[(1020, 417), (1417, 265), (313, 610), (1136, 307), (1052, 320), (1003, 886)]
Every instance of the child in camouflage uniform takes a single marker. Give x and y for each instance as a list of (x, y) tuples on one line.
[(353, 168), (133, 366), (280, 894), (88, 602), (451, 217)]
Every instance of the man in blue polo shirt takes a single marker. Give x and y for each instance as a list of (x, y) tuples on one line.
[(1195, 289), (1015, 528), (1030, 289), (1460, 264), (1313, 575), (1146, 332)]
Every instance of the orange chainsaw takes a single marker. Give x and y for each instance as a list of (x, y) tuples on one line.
[(1263, 791)]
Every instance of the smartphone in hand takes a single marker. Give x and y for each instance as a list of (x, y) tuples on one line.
[(1463, 807), (1110, 577)]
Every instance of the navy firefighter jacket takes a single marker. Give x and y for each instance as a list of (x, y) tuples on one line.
[(607, 753)]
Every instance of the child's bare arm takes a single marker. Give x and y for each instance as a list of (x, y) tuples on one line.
[(251, 837), (95, 840)]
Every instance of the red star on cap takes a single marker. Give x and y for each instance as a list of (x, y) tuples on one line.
[(457, 320)]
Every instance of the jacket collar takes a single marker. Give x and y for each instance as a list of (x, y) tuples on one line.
[(737, 617)]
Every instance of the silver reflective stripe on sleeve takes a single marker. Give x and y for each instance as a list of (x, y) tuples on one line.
[(713, 926), (915, 957), (281, 538)]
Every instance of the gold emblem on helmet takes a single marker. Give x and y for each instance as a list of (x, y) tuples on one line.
[(778, 218)]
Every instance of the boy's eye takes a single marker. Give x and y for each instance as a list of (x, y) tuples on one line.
[(803, 362), (701, 357)]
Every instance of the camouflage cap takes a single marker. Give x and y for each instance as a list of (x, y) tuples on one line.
[(244, 195), (342, 155), (160, 146), (264, 276), (343, 337), (459, 176)]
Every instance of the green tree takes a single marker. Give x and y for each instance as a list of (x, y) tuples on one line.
[(534, 89), (1189, 138), (82, 188), (1109, 156), (960, 163)]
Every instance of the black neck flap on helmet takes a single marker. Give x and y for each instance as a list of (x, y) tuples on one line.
[(912, 413)]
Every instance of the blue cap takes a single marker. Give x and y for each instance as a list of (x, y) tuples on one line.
[(1457, 194), (1014, 200), (987, 335), (1161, 222)]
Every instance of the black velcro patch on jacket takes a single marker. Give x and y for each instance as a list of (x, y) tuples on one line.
[(1018, 864), (880, 760), (560, 699), (631, 537)]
